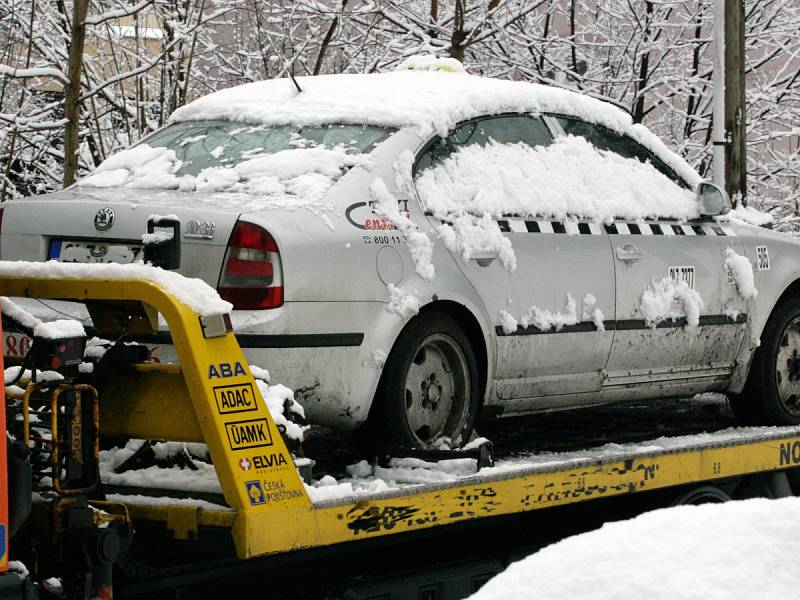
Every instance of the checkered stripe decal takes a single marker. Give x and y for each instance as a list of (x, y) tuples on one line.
[(616, 228)]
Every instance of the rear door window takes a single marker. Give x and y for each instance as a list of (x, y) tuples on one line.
[(503, 129), (603, 138)]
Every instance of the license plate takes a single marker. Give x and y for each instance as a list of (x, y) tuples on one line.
[(15, 345), (93, 252)]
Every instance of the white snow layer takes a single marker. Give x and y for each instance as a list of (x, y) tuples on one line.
[(750, 216), (668, 299), (419, 245), (707, 552), (297, 174), (401, 474), (472, 236), (17, 313), (276, 397), (430, 101), (742, 270), (194, 293), (428, 62), (56, 330), (567, 178), (401, 302), (545, 319)]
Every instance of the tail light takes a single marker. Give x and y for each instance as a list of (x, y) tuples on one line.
[(251, 276)]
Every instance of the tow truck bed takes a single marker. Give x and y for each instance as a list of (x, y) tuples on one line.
[(212, 398)]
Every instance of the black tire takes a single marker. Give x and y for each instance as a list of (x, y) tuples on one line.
[(429, 389), (771, 395)]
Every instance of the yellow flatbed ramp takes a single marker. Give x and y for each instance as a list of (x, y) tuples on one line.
[(212, 398)]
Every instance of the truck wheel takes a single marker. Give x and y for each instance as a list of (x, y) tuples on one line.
[(429, 389), (772, 393)]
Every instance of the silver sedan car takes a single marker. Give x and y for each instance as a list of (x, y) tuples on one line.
[(410, 251)]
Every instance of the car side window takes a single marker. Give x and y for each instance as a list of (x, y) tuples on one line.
[(504, 129), (603, 138)]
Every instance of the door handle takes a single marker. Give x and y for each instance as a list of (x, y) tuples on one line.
[(628, 253), (483, 257)]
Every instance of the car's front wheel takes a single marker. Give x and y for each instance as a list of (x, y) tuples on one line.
[(429, 390), (772, 393)]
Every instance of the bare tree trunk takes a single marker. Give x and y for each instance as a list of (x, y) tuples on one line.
[(13, 141), (72, 91), (459, 35), (693, 102), (572, 53), (545, 35), (326, 41), (644, 67)]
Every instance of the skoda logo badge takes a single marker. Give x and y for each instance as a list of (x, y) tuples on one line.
[(104, 219)]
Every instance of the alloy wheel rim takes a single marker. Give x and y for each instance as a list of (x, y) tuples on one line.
[(436, 390), (787, 368)]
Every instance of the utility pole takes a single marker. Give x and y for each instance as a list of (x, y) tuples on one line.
[(718, 83), (735, 103)]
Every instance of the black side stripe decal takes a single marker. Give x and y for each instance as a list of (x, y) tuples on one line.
[(250, 340), (514, 225), (625, 325)]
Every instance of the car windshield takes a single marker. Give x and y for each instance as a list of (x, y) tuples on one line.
[(202, 144)]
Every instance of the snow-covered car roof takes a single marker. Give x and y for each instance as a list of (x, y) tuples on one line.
[(431, 101)]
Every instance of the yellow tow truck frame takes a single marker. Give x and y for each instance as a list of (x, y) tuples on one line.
[(212, 397)]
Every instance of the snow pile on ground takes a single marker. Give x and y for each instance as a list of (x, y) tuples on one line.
[(709, 552), (668, 299), (432, 102), (567, 178), (297, 175), (742, 271), (194, 293)]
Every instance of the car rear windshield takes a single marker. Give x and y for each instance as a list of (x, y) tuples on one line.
[(202, 144)]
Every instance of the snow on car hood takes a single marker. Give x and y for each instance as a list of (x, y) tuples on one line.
[(433, 102), (294, 177)]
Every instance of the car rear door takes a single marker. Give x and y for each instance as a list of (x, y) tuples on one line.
[(564, 276)]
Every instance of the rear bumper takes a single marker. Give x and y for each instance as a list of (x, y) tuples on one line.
[(329, 353)]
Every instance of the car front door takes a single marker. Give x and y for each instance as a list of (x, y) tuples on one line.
[(658, 347), (548, 312)]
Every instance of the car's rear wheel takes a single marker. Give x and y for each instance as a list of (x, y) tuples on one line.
[(429, 390), (772, 393)]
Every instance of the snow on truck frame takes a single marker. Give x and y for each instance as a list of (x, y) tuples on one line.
[(212, 397)]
